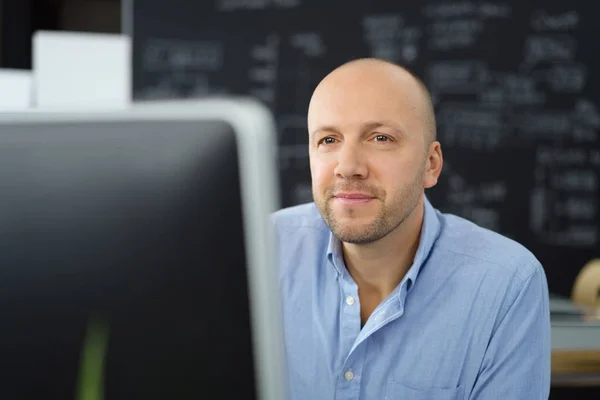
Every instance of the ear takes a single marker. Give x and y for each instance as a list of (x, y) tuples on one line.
[(435, 161)]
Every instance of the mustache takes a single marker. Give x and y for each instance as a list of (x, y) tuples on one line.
[(355, 187)]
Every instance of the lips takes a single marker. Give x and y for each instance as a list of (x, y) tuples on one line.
[(354, 196), (353, 199)]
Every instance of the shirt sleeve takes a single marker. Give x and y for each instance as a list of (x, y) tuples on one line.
[(516, 365)]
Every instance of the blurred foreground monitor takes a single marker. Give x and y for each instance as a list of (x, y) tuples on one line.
[(135, 253)]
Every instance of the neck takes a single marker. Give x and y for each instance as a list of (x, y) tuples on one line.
[(378, 267)]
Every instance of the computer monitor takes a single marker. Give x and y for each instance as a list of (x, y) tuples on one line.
[(136, 255)]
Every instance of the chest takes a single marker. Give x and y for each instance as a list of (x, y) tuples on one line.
[(426, 347)]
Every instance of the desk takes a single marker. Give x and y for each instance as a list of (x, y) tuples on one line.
[(575, 347)]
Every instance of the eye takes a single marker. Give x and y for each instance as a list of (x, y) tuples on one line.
[(381, 138), (327, 140)]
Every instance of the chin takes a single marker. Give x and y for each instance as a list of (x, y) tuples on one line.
[(354, 223), (356, 237), (357, 233)]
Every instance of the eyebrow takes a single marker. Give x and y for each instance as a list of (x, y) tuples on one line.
[(367, 126)]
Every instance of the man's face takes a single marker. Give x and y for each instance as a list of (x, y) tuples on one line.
[(368, 156)]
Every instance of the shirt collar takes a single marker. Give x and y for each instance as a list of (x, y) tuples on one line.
[(429, 233)]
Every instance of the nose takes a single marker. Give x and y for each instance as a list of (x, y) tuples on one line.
[(351, 163)]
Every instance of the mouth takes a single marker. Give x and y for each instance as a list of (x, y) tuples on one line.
[(353, 198)]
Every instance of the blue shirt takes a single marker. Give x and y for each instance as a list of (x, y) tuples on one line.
[(470, 319)]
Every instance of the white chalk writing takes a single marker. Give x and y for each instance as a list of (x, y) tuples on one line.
[(542, 21), (567, 78), (575, 180), (232, 5), (456, 76), (555, 125), (311, 43), (172, 55), (382, 27), (552, 156), (467, 9), (447, 35), (521, 90), (586, 113), (551, 47), (595, 158), (389, 38)]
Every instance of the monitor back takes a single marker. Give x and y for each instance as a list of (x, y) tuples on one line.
[(123, 262)]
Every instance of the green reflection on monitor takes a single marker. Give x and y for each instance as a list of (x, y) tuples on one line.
[(91, 369)]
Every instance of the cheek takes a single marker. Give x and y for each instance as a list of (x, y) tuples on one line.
[(393, 175)]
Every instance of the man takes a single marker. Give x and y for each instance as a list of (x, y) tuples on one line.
[(384, 296)]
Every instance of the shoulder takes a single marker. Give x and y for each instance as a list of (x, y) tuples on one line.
[(300, 226), (303, 216), (302, 239), (499, 273), (484, 249)]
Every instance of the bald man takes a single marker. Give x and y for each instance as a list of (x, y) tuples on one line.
[(384, 296)]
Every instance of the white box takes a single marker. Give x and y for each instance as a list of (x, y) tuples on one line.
[(15, 89), (81, 70)]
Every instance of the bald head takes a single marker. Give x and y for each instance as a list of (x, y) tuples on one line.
[(372, 135), (370, 77)]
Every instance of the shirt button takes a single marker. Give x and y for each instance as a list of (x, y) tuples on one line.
[(349, 375), (349, 300)]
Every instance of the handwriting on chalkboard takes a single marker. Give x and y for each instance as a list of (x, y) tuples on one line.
[(564, 220), (519, 90), (449, 35), (310, 42), (580, 124), (567, 78), (564, 202), (235, 5), (564, 21), (513, 87), (457, 76), (266, 52), (457, 25), (586, 113), (549, 47), (476, 201), (575, 180), (513, 108), (472, 125), (389, 37), (181, 67), (172, 55), (443, 10), (560, 156), (595, 158), (383, 27), (549, 125), (262, 72)]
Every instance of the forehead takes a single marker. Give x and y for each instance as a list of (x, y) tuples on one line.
[(351, 99)]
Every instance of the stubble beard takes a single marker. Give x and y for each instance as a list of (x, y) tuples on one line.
[(387, 220)]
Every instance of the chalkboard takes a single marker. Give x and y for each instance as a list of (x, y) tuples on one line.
[(516, 87)]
